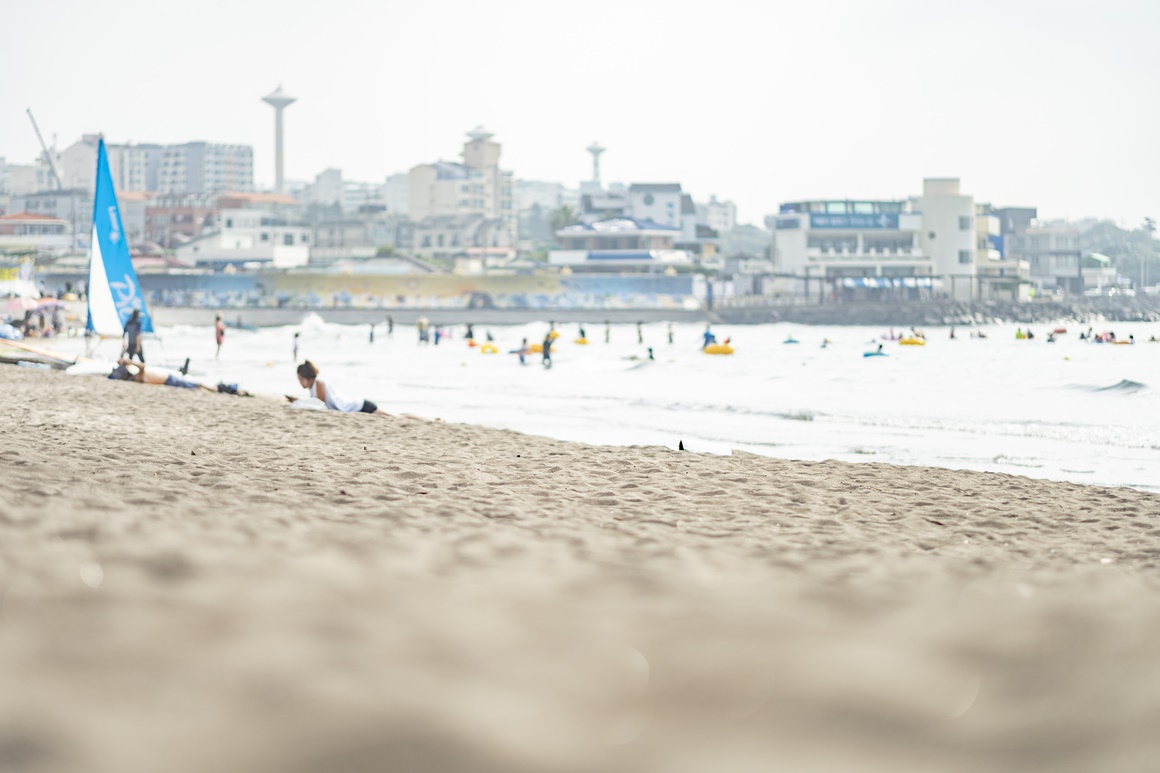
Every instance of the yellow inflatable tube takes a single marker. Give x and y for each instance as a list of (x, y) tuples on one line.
[(913, 342), (718, 349), (488, 349), (581, 341)]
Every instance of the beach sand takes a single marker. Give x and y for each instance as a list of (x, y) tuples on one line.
[(198, 582)]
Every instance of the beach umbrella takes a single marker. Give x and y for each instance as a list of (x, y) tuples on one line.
[(20, 305), (49, 304)]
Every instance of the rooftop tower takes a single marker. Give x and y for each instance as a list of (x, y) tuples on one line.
[(280, 100)]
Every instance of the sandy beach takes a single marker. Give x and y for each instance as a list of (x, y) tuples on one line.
[(199, 582)]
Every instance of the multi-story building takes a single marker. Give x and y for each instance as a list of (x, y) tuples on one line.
[(477, 186), (74, 206), (619, 244), (172, 219), (927, 243), (657, 202), (1053, 252), (206, 167), (395, 194), (341, 240), (329, 189), (721, 216), (132, 167), (249, 238), (1000, 277), (30, 232), (444, 237)]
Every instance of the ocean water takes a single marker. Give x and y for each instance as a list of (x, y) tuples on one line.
[(1068, 410)]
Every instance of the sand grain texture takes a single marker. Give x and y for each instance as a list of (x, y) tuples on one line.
[(194, 582)]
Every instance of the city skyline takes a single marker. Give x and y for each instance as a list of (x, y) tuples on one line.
[(1028, 104)]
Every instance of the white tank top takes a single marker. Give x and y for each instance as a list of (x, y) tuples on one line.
[(334, 400)]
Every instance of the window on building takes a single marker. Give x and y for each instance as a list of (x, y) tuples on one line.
[(426, 241), (229, 222), (1066, 261), (965, 257), (265, 236), (863, 208), (836, 207), (965, 223), (288, 239), (439, 240)]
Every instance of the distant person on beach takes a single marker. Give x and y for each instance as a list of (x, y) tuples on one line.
[(372, 338), (438, 334), (547, 361), (607, 331), (523, 352), (133, 334), (127, 370), (670, 332), (583, 334), (219, 334), (639, 333), (325, 393), (296, 347), (390, 326)]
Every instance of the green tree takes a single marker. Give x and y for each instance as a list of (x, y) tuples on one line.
[(386, 251), (562, 217)]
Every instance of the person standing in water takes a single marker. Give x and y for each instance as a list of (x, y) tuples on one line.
[(390, 326), (547, 361), (219, 334), (372, 340), (639, 333), (133, 334), (670, 332), (523, 352), (296, 347), (607, 331), (326, 393)]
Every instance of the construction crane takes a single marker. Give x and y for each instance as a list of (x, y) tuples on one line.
[(47, 153)]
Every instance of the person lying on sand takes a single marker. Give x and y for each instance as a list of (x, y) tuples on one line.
[(324, 392), (127, 370)]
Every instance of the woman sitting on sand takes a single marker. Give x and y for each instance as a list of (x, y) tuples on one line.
[(324, 392)]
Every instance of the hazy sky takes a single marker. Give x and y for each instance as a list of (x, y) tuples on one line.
[(1048, 103)]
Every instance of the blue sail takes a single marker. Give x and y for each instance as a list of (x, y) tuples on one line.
[(114, 292)]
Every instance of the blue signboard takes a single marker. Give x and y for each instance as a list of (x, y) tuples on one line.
[(884, 220), (996, 243), (788, 223)]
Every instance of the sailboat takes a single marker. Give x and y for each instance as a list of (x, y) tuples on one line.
[(113, 290)]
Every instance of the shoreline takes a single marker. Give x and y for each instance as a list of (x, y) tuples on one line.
[(1091, 311), (192, 581)]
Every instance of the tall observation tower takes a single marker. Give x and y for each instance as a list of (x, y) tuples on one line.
[(280, 100), (595, 150)]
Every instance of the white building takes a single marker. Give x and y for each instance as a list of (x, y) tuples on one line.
[(249, 238), (396, 194), (619, 244), (658, 202), (721, 216), (928, 243), (330, 189), (948, 234)]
